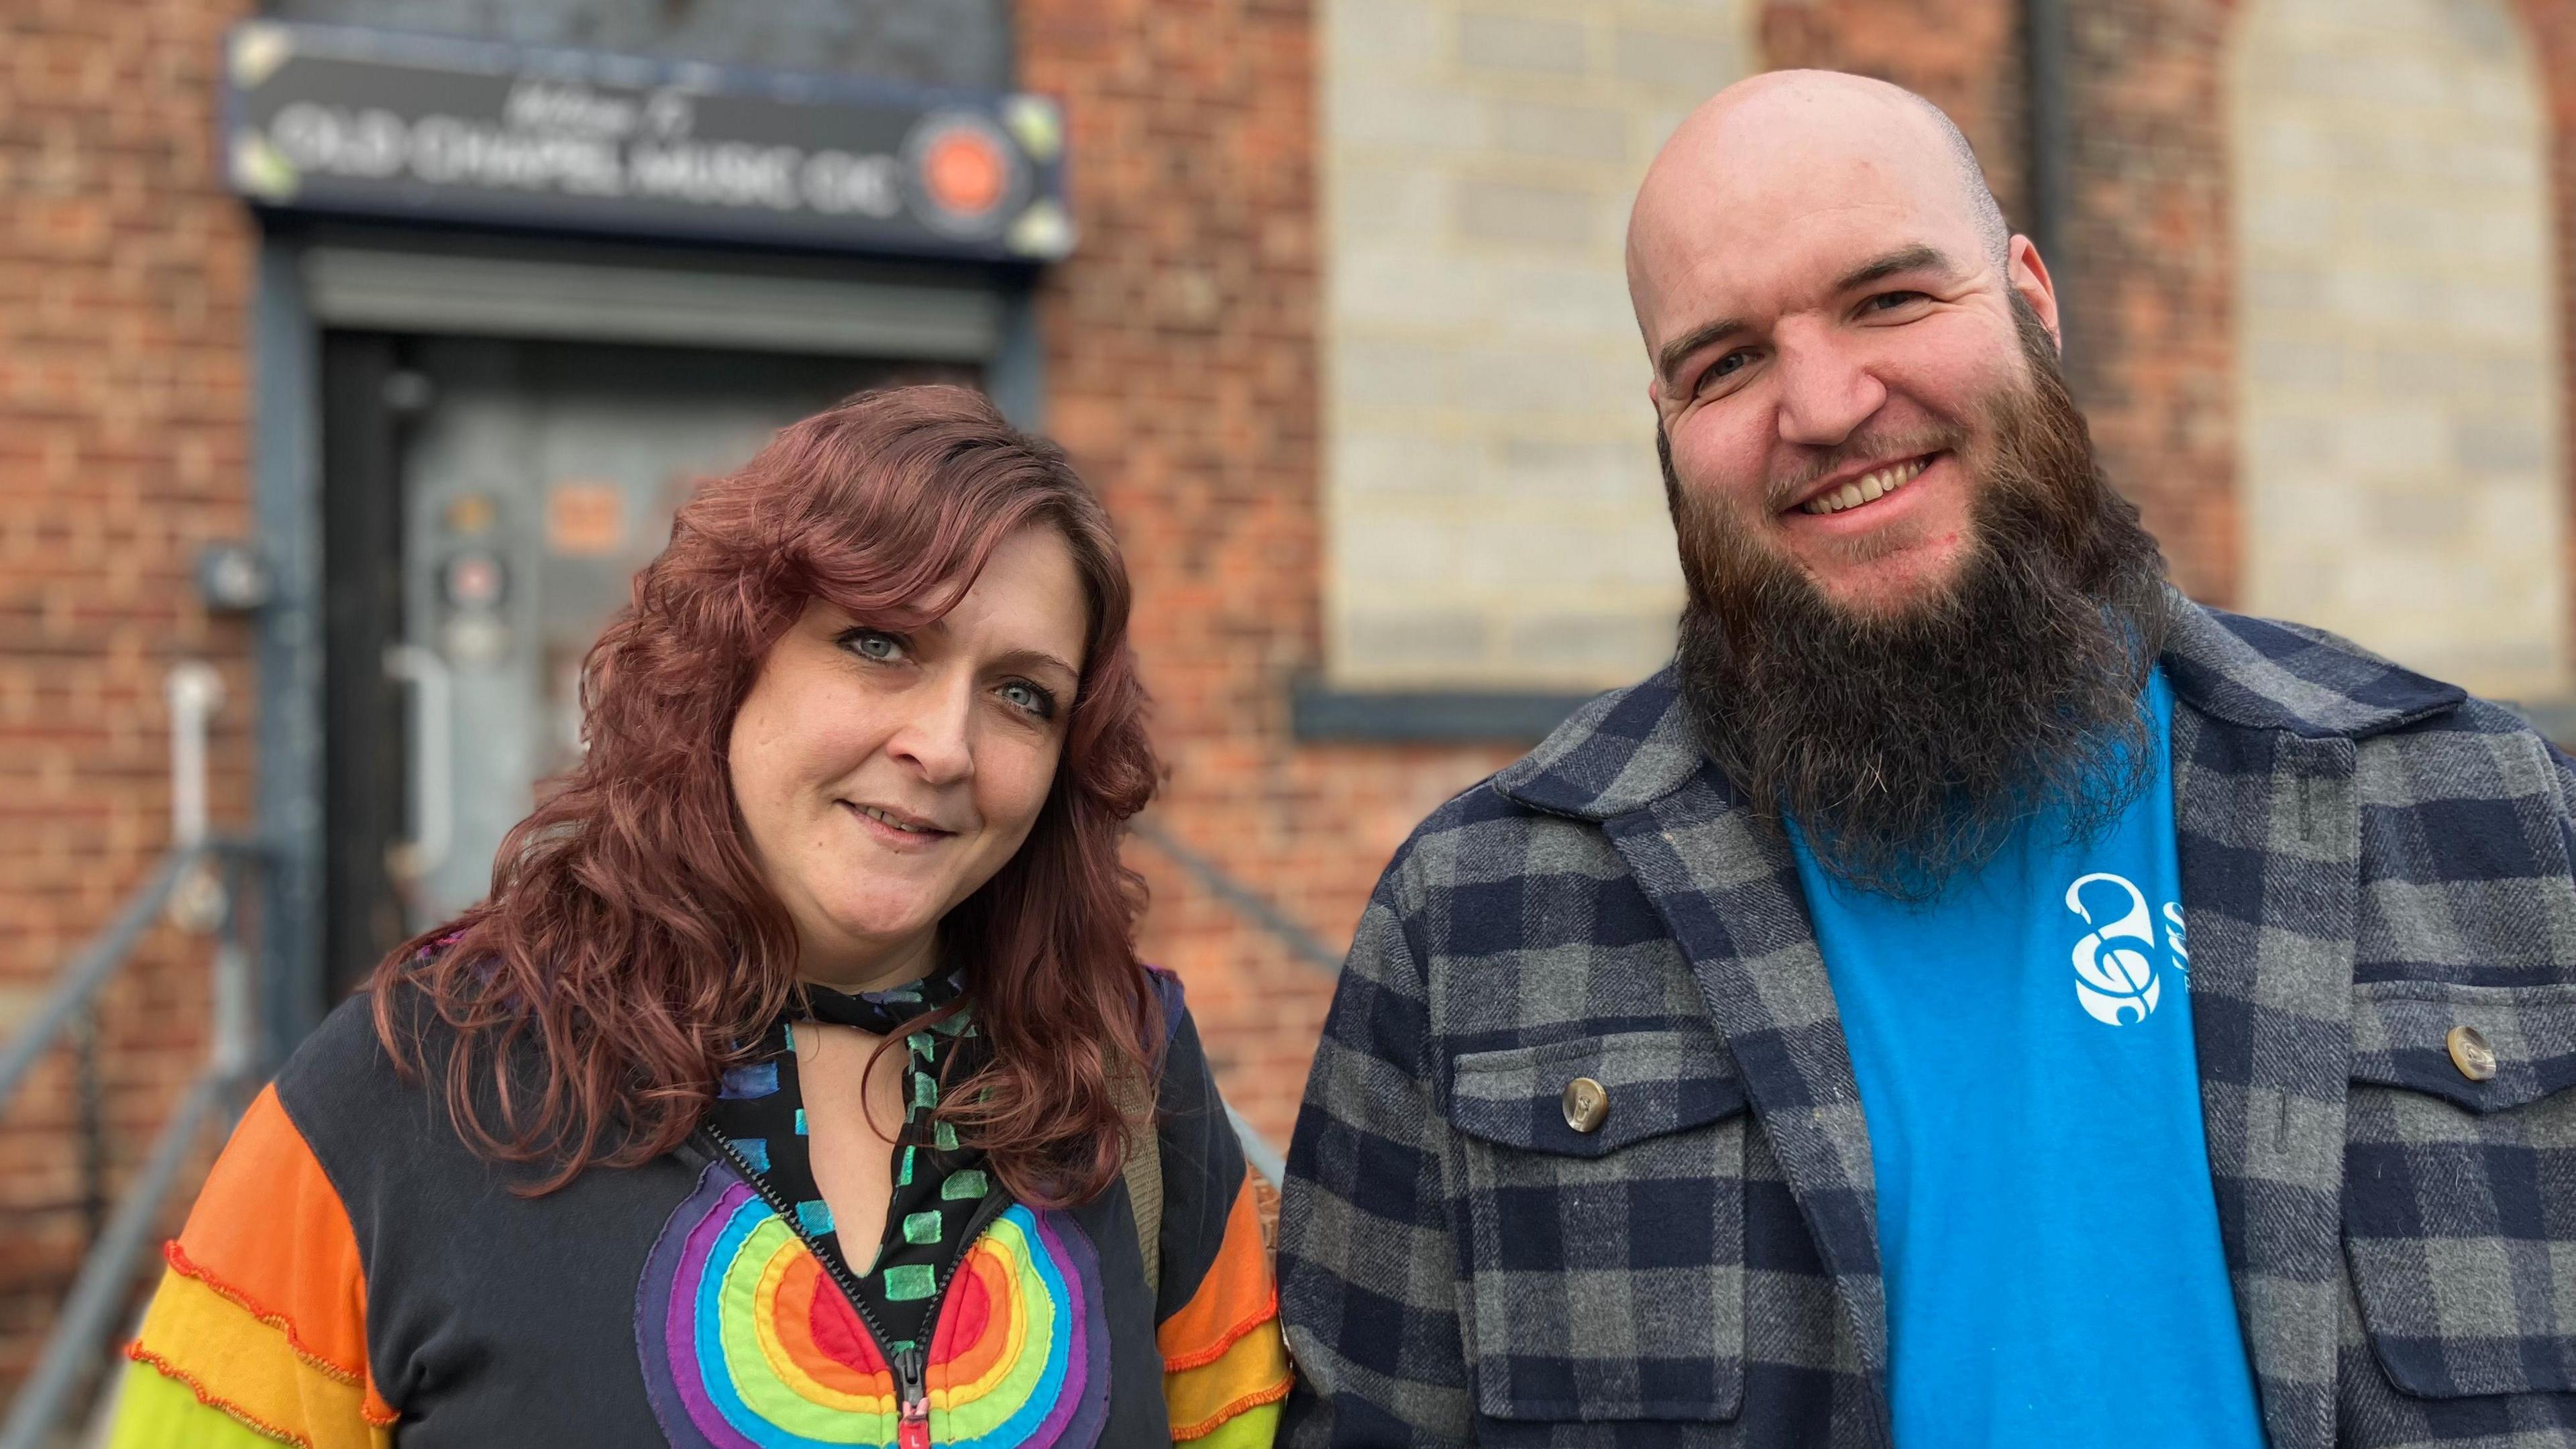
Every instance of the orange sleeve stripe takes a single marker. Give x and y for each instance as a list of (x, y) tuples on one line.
[(225, 1353), (1254, 1371), (177, 1257), (270, 1233), (1261, 1313), (1237, 1294)]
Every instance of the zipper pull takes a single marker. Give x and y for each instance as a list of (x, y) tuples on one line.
[(912, 1430)]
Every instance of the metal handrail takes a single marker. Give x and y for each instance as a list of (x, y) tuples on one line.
[(106, 1276), (1302, 944), (97, 961), (197, 883)]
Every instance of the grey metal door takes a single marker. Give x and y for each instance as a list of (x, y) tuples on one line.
[(538, 479)]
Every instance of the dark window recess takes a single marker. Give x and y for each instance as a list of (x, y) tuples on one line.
[(1319, 713)]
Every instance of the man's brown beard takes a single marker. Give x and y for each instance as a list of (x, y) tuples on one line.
[(1908, 746)]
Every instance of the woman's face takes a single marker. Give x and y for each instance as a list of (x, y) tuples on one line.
[(885, 777)]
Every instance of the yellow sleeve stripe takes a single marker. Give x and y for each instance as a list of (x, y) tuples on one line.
[(1253, 1371), (249, 1369), (177, 1257), (154, 1411), (1254, 1428)]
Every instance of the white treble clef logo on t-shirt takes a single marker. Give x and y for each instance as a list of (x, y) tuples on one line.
[(2115, 969)]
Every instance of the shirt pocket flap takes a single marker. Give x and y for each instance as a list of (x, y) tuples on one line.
[(1654, 1082), (2402, 1037), (2452, 1225)]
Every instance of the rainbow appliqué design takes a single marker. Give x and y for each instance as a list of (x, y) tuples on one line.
[(747, 1343)]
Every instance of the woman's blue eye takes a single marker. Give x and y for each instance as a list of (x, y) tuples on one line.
[(1029, 697), (869, 644)]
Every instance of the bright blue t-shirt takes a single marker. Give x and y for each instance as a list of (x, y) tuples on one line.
[(2046, 1223)]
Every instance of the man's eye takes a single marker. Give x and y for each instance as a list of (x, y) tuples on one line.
[(872, 645), (1719, 370), (1891, 301)]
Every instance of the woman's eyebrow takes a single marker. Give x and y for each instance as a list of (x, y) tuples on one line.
[(1034, 659)]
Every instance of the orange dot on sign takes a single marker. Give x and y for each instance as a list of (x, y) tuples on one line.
[(963, 171)]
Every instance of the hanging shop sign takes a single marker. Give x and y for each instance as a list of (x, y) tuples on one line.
[(363, 122)]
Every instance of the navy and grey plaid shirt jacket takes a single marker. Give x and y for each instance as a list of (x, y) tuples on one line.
[(2369, 858)]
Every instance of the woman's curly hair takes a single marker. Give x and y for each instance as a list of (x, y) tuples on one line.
[(631, 949)]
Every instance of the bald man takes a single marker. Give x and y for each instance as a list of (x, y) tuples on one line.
[(1974, 996)]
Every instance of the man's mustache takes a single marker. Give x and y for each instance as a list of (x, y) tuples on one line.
[(1784, 491)]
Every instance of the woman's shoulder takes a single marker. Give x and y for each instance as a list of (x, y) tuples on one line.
[(1197, 1136), (1169, 995), (1181, 1064), (342, 1066), (363, 1113)]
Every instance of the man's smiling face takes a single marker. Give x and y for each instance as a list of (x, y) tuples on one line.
[(1829, 318)]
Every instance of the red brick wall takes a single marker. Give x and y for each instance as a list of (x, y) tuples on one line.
[(1182, 377), (2152, 265), (124, 439)]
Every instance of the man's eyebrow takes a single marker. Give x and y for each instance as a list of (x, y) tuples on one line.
[(1669, 361), (1918, 257), (1915, 258)]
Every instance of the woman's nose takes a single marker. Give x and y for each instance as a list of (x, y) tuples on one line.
[(935, 734)]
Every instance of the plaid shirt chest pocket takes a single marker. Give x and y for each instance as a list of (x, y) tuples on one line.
[(1604, 1268), (2460, 1193)]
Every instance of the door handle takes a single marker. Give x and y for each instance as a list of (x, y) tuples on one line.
[(433, 753)]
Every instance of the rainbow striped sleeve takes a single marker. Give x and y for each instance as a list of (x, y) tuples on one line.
[(1225, 1368), (258, 1332)]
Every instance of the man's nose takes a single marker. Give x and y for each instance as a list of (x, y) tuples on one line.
[(936, 736), (1825, 392)]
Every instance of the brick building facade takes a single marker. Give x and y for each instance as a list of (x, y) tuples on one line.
[(1262, 187)]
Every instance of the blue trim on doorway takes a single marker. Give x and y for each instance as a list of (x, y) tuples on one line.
[(286, 508), (1015, 379)]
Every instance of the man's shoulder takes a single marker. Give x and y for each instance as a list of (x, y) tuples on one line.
[(1543, 814), (2423, 739), (1477, 833), (2275, 674)]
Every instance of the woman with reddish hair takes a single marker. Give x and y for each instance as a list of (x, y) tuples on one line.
[(798, 1083)]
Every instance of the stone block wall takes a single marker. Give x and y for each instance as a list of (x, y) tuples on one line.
[(1494, 515), (2403, 470)]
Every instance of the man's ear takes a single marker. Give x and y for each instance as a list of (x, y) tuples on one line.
[(2028, 275)]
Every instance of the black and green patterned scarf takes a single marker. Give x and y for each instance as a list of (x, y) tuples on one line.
[(939, 1183)]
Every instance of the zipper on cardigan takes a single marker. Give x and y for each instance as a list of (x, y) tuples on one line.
[(912, 1414), (912, 1403)]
